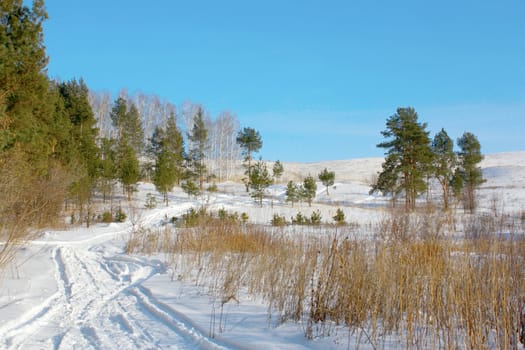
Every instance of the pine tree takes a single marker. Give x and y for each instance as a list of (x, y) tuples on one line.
[(470, 173), (444, 162), (292, 193), (128, 124), (190, 188), (82, 142), (107, 167), (339, 217), (308, 190), (130, 136), (167, 150), (388, 180), (198, 145), (327, 178), (33, 176), (250, 141), (260, 180), (175, 146), (128, 167), (277, 170), (25, 108), (408, 155)]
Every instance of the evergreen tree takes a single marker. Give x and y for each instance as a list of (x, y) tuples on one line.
[(167, 148), (278, 170), (444, 162), (175, 146), (339, 217), (199, 143), (133, 130), (128, 124), (327, 178), (26, 111), (292, 193), (34, 175), (308, 190), (388, 180), (130, 137), (470, 173), (250, 141), (128, 167), (190, 188), (260, 180), (408, 155), (82, 142), (107, 167)]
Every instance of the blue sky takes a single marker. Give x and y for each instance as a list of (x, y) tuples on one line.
[(318, 79)]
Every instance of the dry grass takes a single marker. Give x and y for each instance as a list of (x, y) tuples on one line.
[(28, 200), (411, 283)]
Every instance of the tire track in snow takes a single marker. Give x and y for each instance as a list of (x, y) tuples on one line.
[(62, 279), (100, 303), (175, 321)]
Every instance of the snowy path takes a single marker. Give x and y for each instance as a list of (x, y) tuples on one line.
[(100, 303)]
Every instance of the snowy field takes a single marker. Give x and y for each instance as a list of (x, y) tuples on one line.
[(77, 289)]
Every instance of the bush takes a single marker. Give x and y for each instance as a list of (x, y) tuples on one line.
[(300, 219), (120, 216), (315, 218), (107, 217), (225, 216), (194, 217), (279, 220), (339, 217)]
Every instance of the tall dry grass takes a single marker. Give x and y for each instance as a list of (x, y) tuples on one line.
[(412, 282)]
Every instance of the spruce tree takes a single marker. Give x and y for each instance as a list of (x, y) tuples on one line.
[(408, 155)]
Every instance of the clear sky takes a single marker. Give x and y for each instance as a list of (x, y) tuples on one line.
[(318, 79)]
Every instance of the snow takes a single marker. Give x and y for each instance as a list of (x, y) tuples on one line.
[(77, 289)]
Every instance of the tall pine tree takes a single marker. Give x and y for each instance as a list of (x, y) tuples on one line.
[(250, 141), (198, 139), (469, 172), (130, 138), (408, 155), (443, 163), (168, 151)]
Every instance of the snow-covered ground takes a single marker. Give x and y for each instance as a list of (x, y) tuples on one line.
[(77, 289)]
